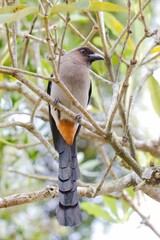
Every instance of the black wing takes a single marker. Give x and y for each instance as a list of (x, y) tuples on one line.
[(57, 138), (90, 92)]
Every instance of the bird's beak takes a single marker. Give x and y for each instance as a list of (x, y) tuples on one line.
[(95, 56)]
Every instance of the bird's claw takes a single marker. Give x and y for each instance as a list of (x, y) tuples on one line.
[(78, 118), (56, 101)]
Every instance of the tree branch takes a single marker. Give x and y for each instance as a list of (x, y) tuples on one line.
[(84, 190)]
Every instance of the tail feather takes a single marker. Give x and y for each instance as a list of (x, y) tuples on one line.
[(75, 173), (68, 198), (65, 173), (68, 212), (64, 157), (69, 216), (74, 163), (65, 185)]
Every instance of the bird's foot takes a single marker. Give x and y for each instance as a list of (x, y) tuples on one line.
[(78, 118), (56, 101)]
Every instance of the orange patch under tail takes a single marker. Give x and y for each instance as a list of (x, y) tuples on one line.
[(68, 130)]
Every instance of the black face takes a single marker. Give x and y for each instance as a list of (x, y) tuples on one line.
[(90, 55), (85, 51)]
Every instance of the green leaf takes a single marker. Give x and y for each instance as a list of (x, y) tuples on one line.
[(88, 168), (97, 41), (154, 89), (105, 6), (116, 27), (11, 9), (115, 204), (6, 142), (96, 211), (79, 18), (87, 5), (17, 13), (81, 5), (112, 203), (90, 164), (127, 211)]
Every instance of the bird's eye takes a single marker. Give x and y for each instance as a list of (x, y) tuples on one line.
[(83, 51)]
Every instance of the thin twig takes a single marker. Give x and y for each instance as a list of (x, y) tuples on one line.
[(137, 47), (147, 53), (139, 87), (9, 44), (121, 93), (104, 176), (112, 108), (91, 18), (48, 39), (101, 78), (36, 39), (143, 18), (127, 131), (125, 29), (145, 219), (34, 109), (14, 47), (27, 41), (125, 41), (90, 45), (62, 39), (34, 176), (93, 31), (18, 70), (150, 59), (31, 128), (100, 20)]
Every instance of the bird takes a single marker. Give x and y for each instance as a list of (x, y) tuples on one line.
[(74, 73)]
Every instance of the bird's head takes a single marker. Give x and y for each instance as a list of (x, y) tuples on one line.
[(85, 55), (89, 55)]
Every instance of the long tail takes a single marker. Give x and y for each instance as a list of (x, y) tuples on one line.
[(68, 211)]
